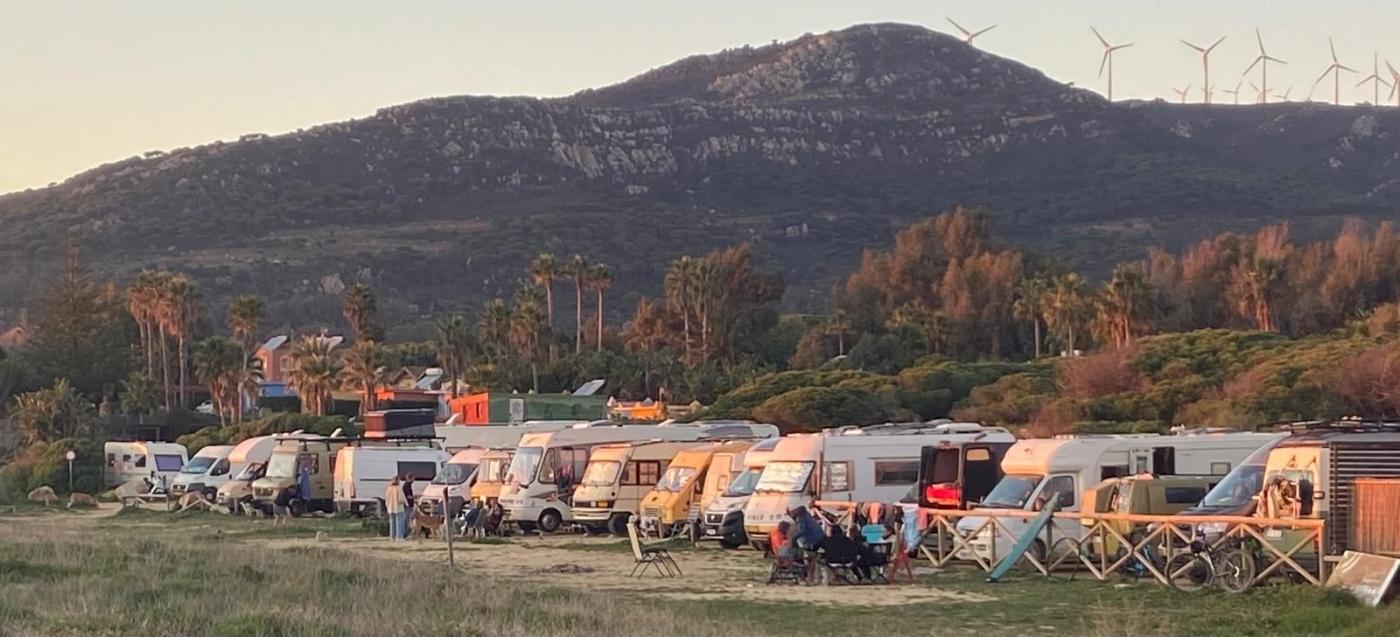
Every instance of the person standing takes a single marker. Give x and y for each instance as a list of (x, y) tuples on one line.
[(304, 482), (394, 506)]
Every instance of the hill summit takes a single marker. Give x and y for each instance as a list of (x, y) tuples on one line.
[(813, 149)]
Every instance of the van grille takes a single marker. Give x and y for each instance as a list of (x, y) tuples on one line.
[(651, 512)]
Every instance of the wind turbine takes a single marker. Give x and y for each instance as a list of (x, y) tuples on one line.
[(1235, 92), (1260, 95), (1205, 63), (1107, 61), (1375, 79), (1286, 92), (1394, 82), (1263, 63), (1336, 71), (969, 36), (1181, 92)]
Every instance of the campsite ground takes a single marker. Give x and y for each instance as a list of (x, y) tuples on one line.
[(154, 573)]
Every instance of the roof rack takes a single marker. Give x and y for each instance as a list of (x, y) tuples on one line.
[(1352, 424)]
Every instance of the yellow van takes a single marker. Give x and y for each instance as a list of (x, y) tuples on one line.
[(491, 475), (284, 467), (695, 478), (616, 479)]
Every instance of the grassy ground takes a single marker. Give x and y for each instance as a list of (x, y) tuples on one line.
[(155, 573)]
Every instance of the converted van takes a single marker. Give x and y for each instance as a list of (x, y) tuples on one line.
[(453, 483), (247, 462), (616, 479), (128, 461), (722, 519), (364, 469), (205, 472), (544, 462), (696, 477), (871, 464), (1141, 495), (491, 475), (316, 454), (1060, 469)]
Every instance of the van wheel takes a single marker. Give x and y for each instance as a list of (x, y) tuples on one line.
[(730, 545), (550, 521), (617, 525)]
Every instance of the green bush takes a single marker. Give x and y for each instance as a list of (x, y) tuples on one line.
[(741, 401), (277, 423), (45, 464), (933, 387), (814, 408)]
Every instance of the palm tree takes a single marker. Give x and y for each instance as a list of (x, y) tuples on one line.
[(1125, 305), (493, 329), (526, 324), (245, 321), (1030, 305), (452, 341), (600, 279), (1067, 306), (578, 269), (141, 299), (162, 314), (930, 324), (138, 396), (360, 307), (364, 368), (680, 284), (544, 270), (313, 371), (219, 364), (1258, 286), (837, 324), (185, 308), (704, 292), (52, 414), (646, 332)]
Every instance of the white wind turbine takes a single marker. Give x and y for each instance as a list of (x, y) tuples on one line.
[(1263, 63), (1375, 79), (1182, 92), (969, 36), (1107, 61), (1205, 64), (1336, 70), (1394, 82), (1235, 92)]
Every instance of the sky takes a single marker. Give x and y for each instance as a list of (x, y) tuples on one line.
[(88, 82)]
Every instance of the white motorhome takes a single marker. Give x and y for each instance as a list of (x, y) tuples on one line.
[(723, 517), (1060, 469), (453, 483), (206, 471), (247, 462), (870, 464), (457, 437), (363, 472), (616, 478), (128, 461), (543, 462)]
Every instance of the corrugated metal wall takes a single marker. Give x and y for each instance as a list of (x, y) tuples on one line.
[(1353, 461)]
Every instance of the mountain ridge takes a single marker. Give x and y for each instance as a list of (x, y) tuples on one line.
[(814, 149)]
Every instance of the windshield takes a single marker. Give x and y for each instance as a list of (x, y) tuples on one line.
[(493, 470), (601, 474), (1012, 492), (282, 465), (784, 477), (454, 473), (523, 465), (198, 465), (252, 471), (1238, 487), (743, 483), (675, 479)]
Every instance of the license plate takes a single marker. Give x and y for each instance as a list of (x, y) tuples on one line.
[(711, 531)]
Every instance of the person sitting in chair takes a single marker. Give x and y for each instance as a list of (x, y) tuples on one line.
[(867, 558), (838, 548)]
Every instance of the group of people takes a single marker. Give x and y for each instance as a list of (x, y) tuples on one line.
[(398, 504), (804, 540)]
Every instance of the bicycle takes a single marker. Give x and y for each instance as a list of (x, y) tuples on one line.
[(1230, 567)]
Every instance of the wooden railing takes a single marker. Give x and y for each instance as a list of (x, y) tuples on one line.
[(1110, 544)]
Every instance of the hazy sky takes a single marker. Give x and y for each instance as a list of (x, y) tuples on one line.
[(91, 82)]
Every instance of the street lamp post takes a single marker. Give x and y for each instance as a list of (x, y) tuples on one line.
[(71, 457)]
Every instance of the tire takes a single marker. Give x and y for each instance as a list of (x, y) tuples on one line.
[(1188, 572), (550, 521), (730, 545), (617, 525), (211, 494), (1236, 571)]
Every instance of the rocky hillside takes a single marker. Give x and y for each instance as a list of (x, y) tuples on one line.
[(814, 149)]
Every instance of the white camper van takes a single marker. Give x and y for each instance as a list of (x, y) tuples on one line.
[(616, 478), (1060, 469), (723, 517), (453, 483), (128, 461), (247, 462), (870, 464), (363, 472), (545, 462), (206, 471)]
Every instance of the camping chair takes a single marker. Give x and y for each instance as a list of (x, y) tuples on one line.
[(838, 572), (648, 557), (787, 570)]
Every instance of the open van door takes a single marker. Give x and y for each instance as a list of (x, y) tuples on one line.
[(955, 476)]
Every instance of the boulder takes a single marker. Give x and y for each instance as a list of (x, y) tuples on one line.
[(43, 494)]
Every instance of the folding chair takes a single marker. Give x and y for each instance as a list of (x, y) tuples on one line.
[(649, 557)]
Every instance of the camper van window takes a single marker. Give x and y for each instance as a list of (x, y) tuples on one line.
[(419, 470), (1012, 492), (675, 478), (197, 465), (311, 463), (743, 484), (785, 476), (648, 473), (454, 473), (140, 462), (604, 473), (220, 468), (836, 476), (979, 454), (942, 466), (1164, 461), (165, 462), (282, 465), (1219, 468), (111, 460), (1238, 487), (523, 465), (1058, 488), (1184, 495), (890, 472), (252, 471), (494, 470), (1113, 471)]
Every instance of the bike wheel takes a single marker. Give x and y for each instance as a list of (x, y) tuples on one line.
[(1188, 572), (1236, 571)]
